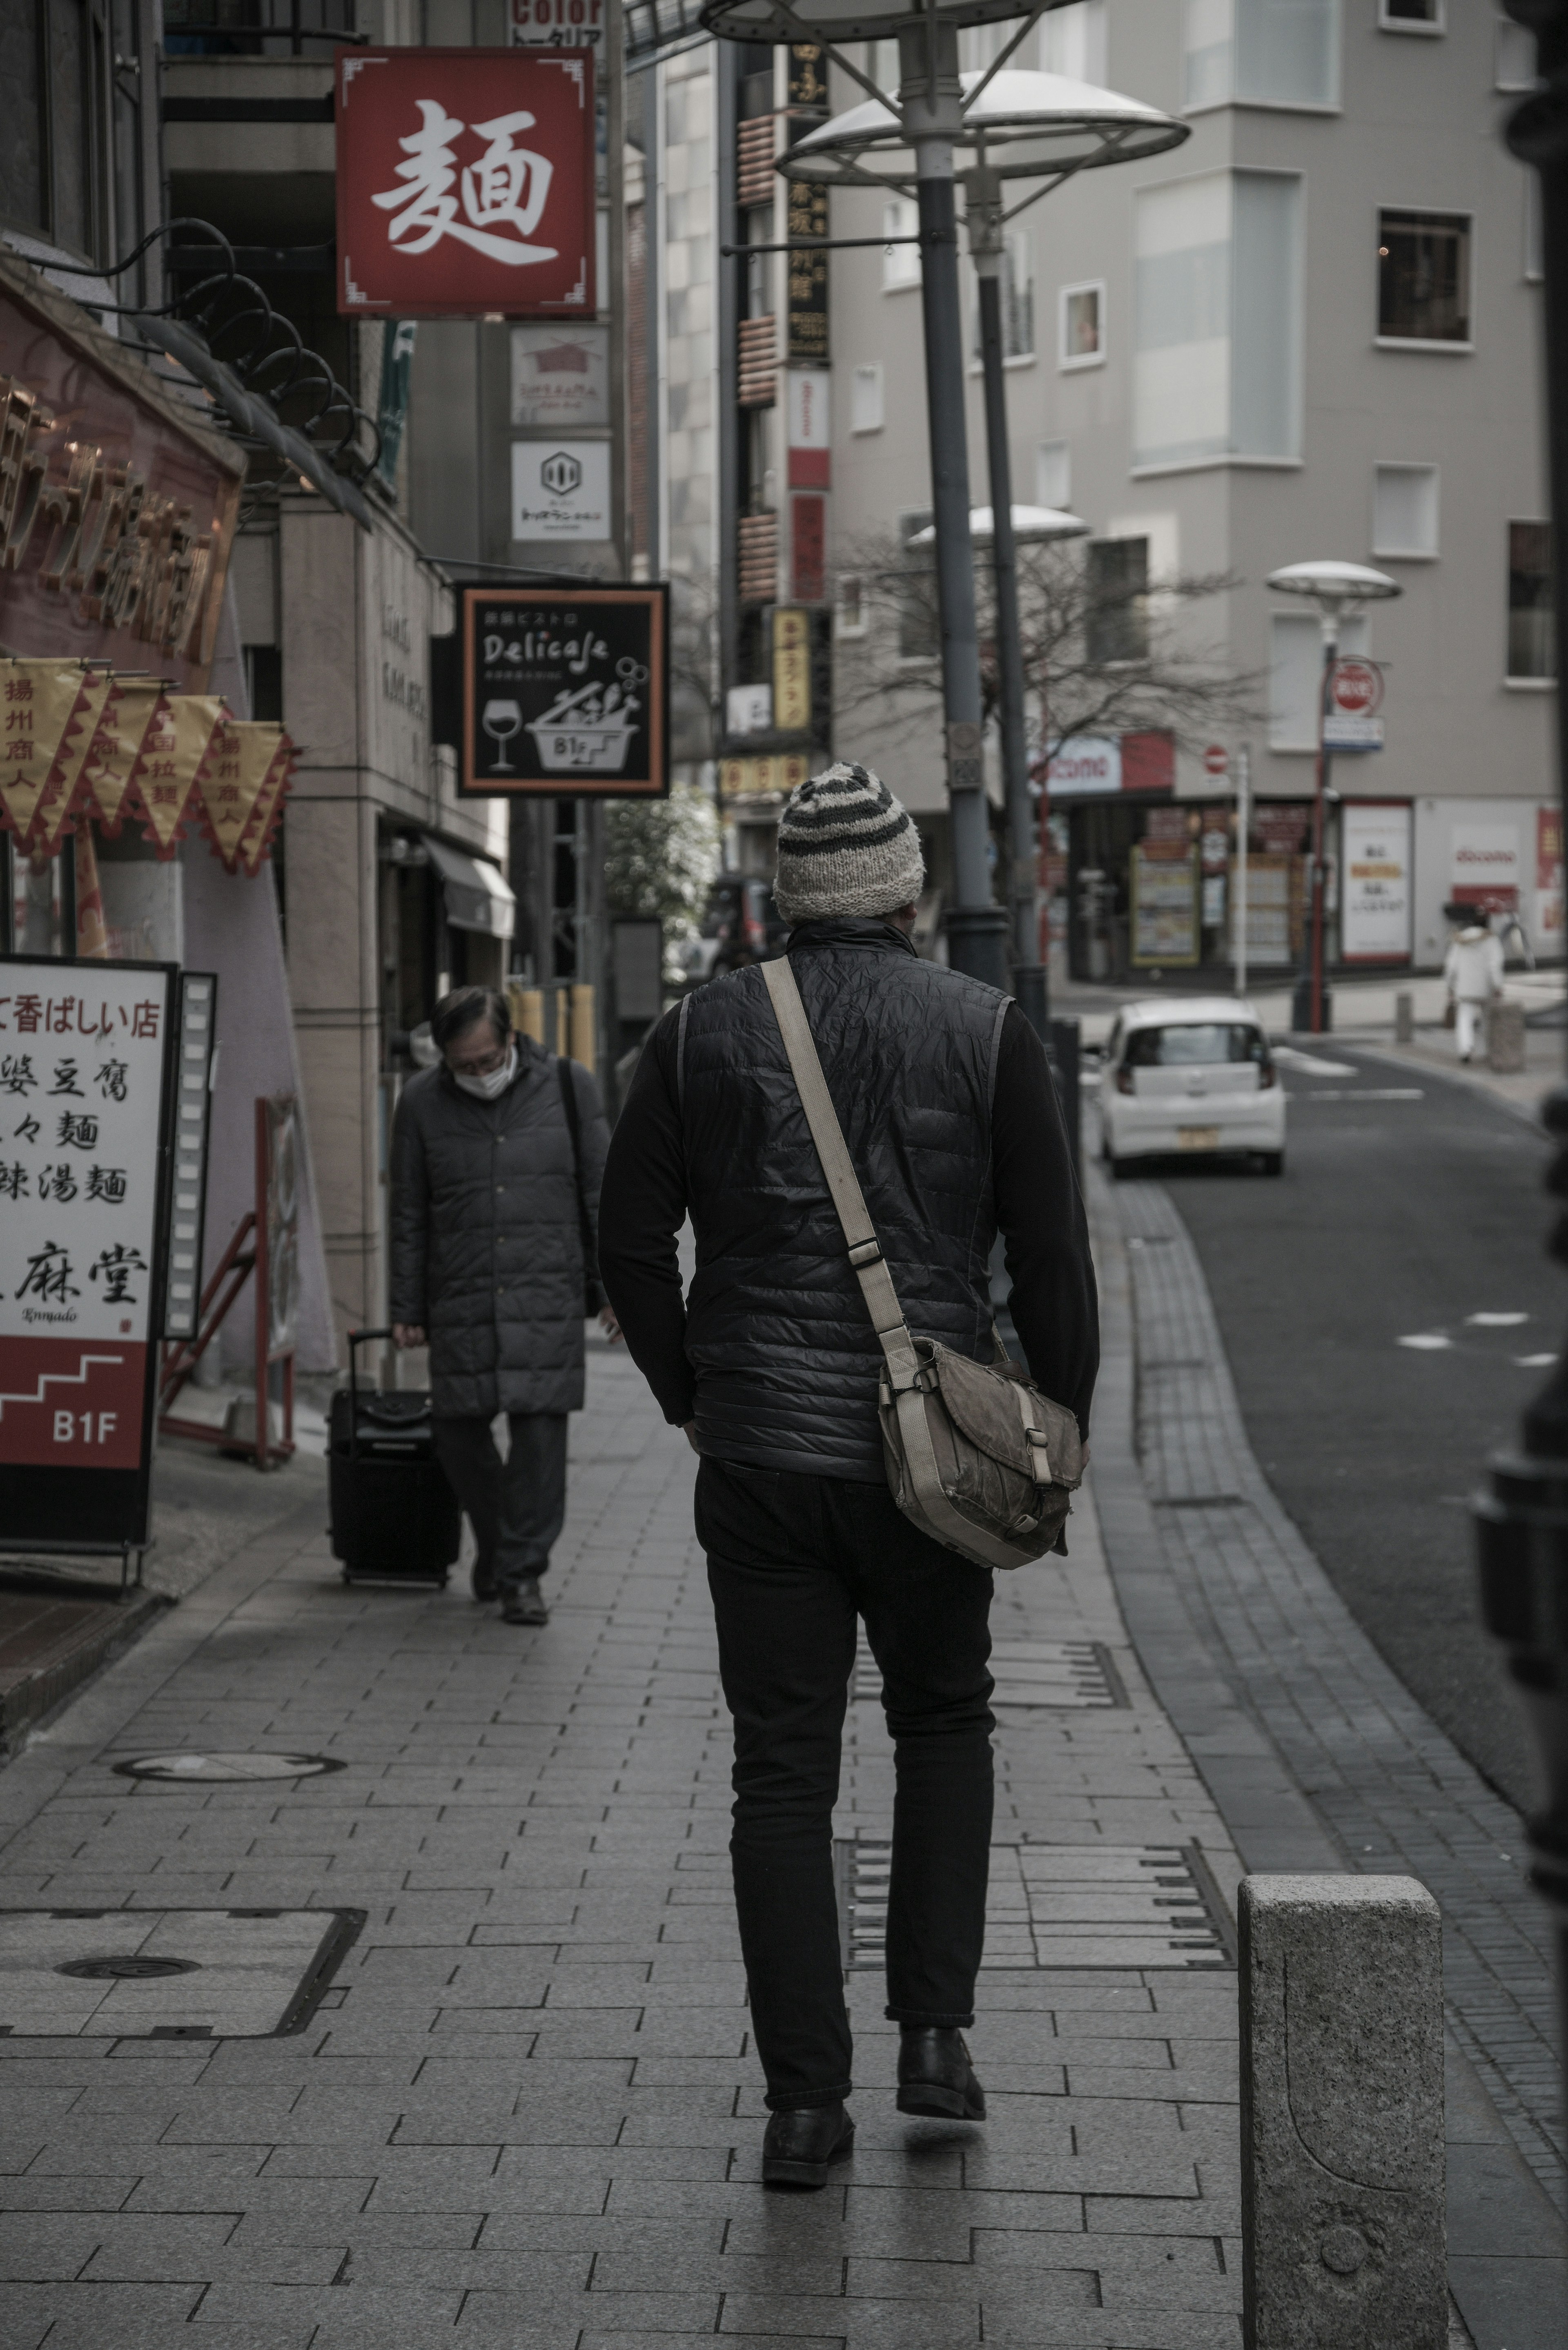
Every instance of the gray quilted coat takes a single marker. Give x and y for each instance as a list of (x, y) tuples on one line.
[(487, 1251)]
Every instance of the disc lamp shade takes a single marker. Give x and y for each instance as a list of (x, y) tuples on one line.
[(1031, 126), (846, 20), (1334, 583)]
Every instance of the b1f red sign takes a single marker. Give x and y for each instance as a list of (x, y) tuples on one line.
[(465, 183)]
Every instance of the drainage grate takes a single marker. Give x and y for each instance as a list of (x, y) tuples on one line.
[(182, 1768), (1122, 1905), (167, 1974), (1029, 1674)]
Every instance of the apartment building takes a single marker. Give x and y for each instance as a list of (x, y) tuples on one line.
[(1309, 331)]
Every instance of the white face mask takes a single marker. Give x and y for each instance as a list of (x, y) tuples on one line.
[(486, 1088)]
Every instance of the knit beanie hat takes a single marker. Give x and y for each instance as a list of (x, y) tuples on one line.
[(845, 847)]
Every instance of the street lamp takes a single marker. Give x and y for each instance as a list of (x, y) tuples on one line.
[(1031, 525), (1336, 588), (1017, 126)]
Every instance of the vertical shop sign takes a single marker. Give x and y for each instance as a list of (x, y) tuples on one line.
[(465, 183), (808, 548), (1548, 936), (807, 78), (1164, 904), (1374, 895), (86, 1095), (807, 337), (810, 447), (791, 671), (392, 407)]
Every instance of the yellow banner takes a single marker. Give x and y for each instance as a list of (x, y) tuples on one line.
[(257, 837), (116, 746), (782, 771), (59, 793), (37, 699), (243, 750), (791, 671), (172, 757)]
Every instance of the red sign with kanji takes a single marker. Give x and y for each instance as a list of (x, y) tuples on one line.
[(465, 183)]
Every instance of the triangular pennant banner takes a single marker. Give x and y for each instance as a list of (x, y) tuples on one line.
[(263, 823), (173, 756), (36, 700), (236, 773), (116, 746), (65, 788)]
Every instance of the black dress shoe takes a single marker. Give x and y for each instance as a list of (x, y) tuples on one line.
[(935, 2076), (524, 1603), (797, 2148)]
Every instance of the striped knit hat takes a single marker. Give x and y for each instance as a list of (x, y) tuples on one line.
[(845, 847)]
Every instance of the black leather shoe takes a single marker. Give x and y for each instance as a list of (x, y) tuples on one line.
[(525, 1603), (935, 2076), (797, 2148), (484, 1583)]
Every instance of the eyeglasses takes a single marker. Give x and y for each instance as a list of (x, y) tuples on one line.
[(477, 1062)]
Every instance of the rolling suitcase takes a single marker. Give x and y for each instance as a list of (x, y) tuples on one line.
[(395, 1518)]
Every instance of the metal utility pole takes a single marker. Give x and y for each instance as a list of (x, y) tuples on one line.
[(1243, 822), (930, 101)]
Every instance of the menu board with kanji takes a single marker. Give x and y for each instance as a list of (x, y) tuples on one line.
[(86, 1061)]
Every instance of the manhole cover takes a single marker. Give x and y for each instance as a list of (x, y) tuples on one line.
[(167, 1974), (129, 1969), (181, 1768)]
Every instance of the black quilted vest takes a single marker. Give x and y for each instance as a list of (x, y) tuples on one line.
[(785, 1359)]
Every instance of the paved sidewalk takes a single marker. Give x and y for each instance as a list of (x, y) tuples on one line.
[(528, 2107)]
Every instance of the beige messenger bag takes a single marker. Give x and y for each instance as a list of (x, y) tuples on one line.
[(977, 1456)]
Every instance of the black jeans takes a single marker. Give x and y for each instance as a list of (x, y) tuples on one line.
[(516, 1507), (792, 1560)]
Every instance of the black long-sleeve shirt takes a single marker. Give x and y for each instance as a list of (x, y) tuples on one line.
[(1039, 1212)]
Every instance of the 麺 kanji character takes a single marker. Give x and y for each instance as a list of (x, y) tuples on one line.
[(76, 1133), (56, 1183), (118, 1265), (48, 1274), (106, 1183), (111, 1080), (13, 1181), (506, 188), (29, 1131), (16, 1074), (144, 1019), (66, 1079)]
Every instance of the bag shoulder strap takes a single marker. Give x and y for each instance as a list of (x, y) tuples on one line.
[(844, 1185), (575, 1128)]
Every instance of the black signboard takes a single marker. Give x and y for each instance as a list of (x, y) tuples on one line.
[(807, 276), (565, 692)]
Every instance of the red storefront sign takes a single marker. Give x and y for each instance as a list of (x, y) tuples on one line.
[(808, 553), (465, 183)]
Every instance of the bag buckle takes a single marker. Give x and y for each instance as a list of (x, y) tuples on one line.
[(864, 1253), (1040, 1454)]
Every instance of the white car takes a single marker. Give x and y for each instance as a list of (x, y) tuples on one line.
[(1190, 1074)]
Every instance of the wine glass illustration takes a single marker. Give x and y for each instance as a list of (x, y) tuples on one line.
[(500, 721)]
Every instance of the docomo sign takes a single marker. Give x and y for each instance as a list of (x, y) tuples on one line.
[(465, 183)]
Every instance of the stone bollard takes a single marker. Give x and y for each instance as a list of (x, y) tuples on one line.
[(1404, 1017), (1342, 2235), (1505, 1037)]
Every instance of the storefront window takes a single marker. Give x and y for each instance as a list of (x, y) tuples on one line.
[(41, 914), (1150, 887)]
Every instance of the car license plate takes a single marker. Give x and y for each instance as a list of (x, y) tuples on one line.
[(1198, 1137)]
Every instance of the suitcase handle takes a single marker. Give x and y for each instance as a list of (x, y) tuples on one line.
[(358, 1338)]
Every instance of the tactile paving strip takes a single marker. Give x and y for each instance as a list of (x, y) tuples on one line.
[(1075, 1674), (167, 1974), (1131, 1906)]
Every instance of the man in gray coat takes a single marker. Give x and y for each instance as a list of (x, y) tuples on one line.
[(497, 1154)]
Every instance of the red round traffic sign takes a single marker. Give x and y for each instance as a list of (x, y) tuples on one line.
[(1216, 759), (1356, 687)]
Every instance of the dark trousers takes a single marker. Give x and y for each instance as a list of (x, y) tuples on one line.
[(792, 1560), (515, 1506)]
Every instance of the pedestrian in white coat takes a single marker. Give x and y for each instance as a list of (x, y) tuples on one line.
[(1473, 968)]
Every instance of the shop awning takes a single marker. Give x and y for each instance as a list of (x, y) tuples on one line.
[(477, 895)]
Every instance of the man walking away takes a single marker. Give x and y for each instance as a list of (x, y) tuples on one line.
[(1473, 968), (771, 1365), (497, 1156)]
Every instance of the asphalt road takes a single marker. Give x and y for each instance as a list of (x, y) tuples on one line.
[(1396, 1219)]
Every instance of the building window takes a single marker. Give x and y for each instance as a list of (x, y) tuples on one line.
[(851, 605), (1073, 42), (866, 397), (1405, 511), (1262, 52), (1424, 277), (1217, 367), (1117, 615), (1295, 674), (1529, 610), (1017, 297), (1516, 67), (1081, 326), (1411, 15), (1054, 476), (900, 263), (919, 634)]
